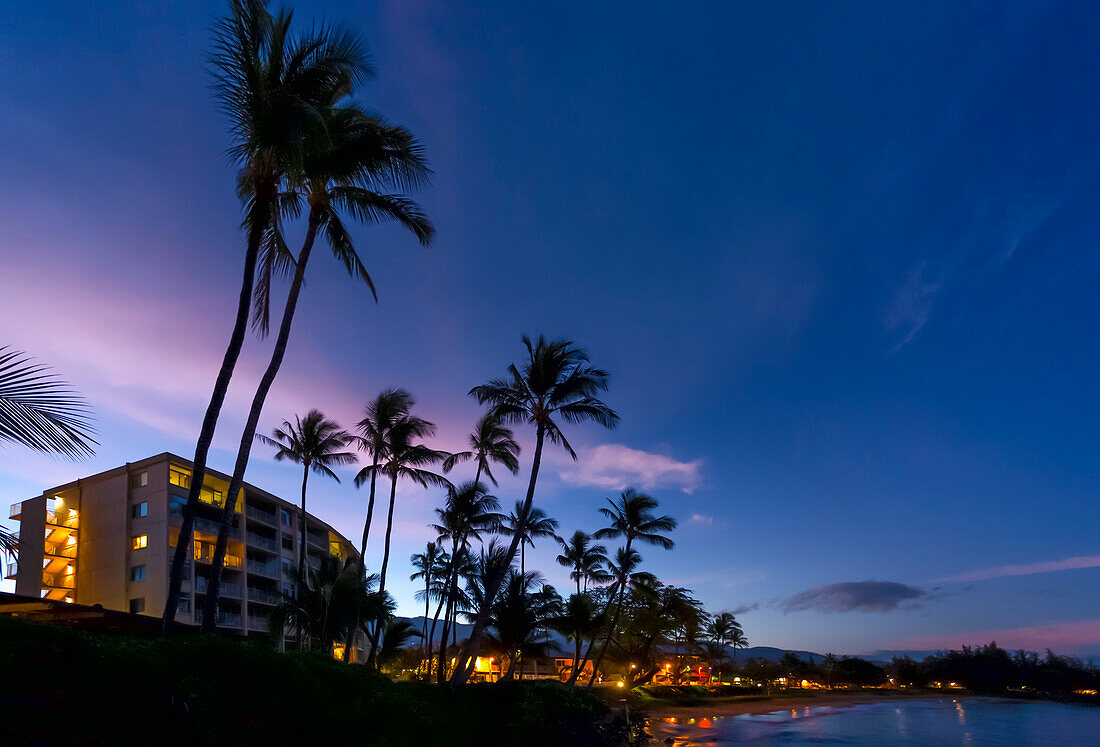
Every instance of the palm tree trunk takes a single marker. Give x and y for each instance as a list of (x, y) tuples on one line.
[(431, 633), (481, 622), (302, 542), (385, 564), (209, 422), (611, 628), (209, 619), (367, 523)]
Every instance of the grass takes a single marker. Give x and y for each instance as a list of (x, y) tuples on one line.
[(67, 686)]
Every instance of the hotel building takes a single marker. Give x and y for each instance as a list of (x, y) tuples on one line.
[(109, 539)]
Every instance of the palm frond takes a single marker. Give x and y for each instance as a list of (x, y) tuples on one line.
[(40, 411)]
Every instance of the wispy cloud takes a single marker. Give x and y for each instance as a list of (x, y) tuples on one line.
[(616, 467), (853, 596), (701, 519), (1027, 569), (911, 305), (1076, 636)]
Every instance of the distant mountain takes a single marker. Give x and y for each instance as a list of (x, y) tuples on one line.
[(773, 654)]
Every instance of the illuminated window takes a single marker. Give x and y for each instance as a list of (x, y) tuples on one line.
[(209, 495), (139, 480), (179, 477), (137, 573), (140, 541), (137, 606), (138, 510)]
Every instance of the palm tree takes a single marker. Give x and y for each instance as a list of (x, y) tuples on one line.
[(41, 412), (275, 91), (737, 640), (428, 565), (521, 615), (577, 622), (556, 381), (490, 442), (380, 416), (469, 510), (587, 561), (340, 172), (315, 443), (529, 525), (622, 569), (395, 634)]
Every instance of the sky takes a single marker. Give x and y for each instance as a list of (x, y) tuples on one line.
[(839, 260)]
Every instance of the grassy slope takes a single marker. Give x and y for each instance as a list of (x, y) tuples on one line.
[(60, 685)]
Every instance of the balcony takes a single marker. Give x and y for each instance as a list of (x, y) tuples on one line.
[(204, 553), (268, 569), (263, 596), (225, 619), (230, 591), (264, 543), (254, 513), (59, 580), (207, 526), (259, 623), (13, 568), (15, 511), (61, 550), (69, 520)]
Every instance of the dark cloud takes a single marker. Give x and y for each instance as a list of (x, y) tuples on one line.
[(742, 609), (861, 596)]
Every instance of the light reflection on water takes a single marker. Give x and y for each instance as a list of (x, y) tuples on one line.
[(972, 721)]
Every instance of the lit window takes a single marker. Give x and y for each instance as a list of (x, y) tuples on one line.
[(179, 477), (137, 606), (140, 541), (139, 480), (139, 510), (209, 495), (137, 573)]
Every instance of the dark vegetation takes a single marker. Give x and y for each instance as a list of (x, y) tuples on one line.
[(63, 686)]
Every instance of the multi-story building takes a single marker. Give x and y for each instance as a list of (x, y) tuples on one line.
[(109, 539)]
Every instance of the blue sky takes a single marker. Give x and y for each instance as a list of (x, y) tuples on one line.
[(840, 261)]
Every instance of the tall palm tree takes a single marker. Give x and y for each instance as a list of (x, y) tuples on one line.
[(632, 519), (737, 640), (490, 442), (586, 560), (340, 172), (622, 569), (468, 511), (380, 416), (528, 525), (555, 382), (521, 615), (316, 443), (274, 91), (428, 566)]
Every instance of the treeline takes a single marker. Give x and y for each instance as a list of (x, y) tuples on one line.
[(991, 669)]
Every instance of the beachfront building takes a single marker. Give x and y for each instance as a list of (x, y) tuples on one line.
[(109, 539)]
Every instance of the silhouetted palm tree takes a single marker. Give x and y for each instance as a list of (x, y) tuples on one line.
[(529, 525), (316, 443), (41, 412), (490, 442), (555, 382), (432, 565), (624, 566), (276, 92), (631, 518), (521, 615), (578, 622), (340, 172), (586, 560)]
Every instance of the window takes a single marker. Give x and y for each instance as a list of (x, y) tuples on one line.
[(137, 573), (139, 510), (285, 516), (214, 497), (184, 604), (176, 504), (137, 606), (179, 477), (140, 541), (139, 480), (288, 542)]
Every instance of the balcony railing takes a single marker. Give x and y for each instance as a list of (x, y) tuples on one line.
[(59, 580), (265, 543), (213, 527), (258, 514), (232, 591), (263, 596), (259, 622), (70, 520), (61, 550), (205, 554), (225, 619), (263, 569), (15, 510)]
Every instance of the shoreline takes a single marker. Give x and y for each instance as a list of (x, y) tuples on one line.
[(774, 703)]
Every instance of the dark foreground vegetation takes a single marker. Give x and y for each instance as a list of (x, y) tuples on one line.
[(62, 686)]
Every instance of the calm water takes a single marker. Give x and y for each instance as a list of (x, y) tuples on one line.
[(969, 721)]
